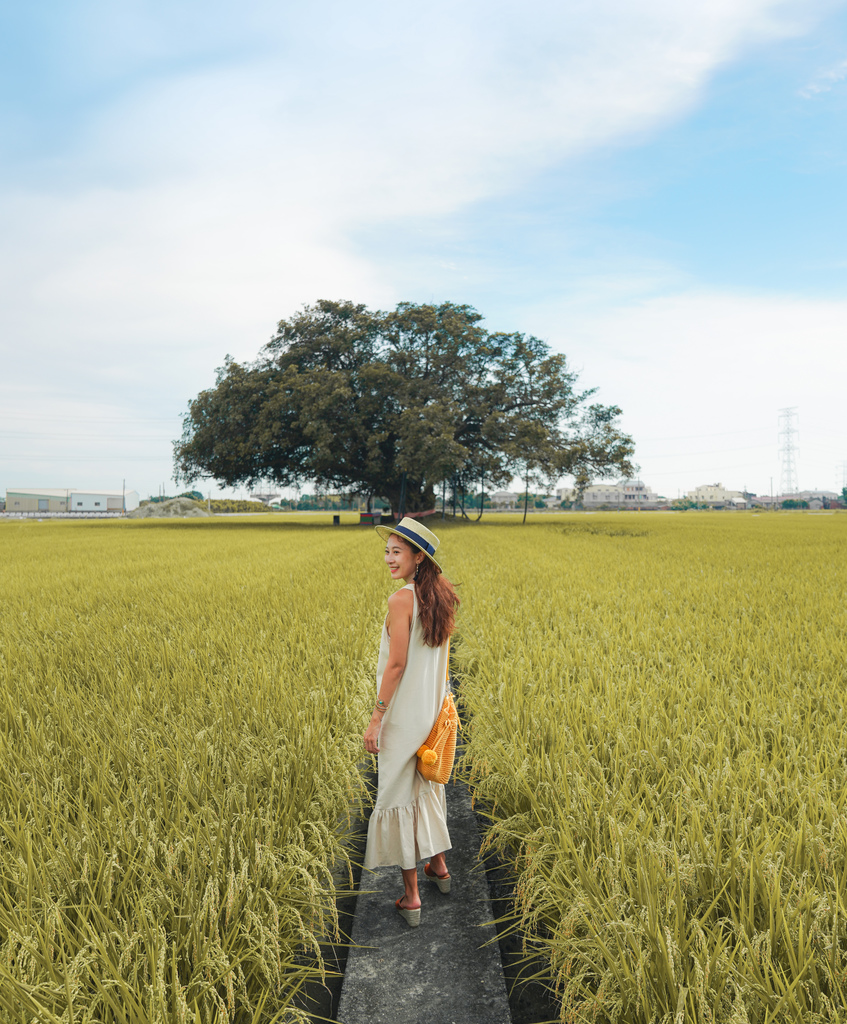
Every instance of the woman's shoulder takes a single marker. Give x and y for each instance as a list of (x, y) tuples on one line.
[(402, 598)]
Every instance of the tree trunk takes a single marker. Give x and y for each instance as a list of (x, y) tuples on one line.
[(419, 497)]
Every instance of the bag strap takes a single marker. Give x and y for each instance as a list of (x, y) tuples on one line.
[(447, 686)]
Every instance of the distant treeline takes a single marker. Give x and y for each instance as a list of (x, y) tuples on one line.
[(237, 505), (194, 495)]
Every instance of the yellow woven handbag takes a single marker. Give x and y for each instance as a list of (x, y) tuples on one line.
[(436, 756)]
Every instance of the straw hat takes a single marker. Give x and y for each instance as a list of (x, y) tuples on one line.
[(416, 534)]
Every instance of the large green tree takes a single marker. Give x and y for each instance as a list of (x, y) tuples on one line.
[(382, 402)]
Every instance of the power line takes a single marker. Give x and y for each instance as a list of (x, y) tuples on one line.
[(64, 417), (84, 458), (82, 437), (716, 470), (714, 451), (693, 437)]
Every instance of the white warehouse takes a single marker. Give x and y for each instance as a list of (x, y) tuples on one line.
[(68, 499)]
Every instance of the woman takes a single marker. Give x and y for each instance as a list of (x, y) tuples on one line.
[(409, 821)]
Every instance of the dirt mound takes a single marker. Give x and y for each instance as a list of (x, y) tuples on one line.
[(174, 508)]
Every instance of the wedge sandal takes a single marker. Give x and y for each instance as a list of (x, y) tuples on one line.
[(411, 917), (442, 881)]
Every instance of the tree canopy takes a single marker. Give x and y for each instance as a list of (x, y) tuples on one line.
[(376, 403)]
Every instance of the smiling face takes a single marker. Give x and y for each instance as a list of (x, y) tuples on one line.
[(401, 558)]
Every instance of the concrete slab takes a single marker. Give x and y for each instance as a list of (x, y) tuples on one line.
[(448, 970)]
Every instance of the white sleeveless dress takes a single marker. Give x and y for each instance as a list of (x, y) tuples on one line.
[(409, 819)]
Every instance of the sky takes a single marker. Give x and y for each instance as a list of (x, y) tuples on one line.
[(655, 189)]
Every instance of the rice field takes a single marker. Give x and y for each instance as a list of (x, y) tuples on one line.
[(657, 737), (180, 734)]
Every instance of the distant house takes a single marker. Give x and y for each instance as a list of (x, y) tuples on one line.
[(68, 499), (717, 496), (504, 499), (766, 501), (625, 494), (823, 498), (816, 499)]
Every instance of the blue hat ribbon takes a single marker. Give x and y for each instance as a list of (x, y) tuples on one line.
[(406, 532)]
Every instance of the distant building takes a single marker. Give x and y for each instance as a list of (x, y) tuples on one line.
[(824, 497), (50, 499), (504, 499), (625, 494), (717, 496), (816, 499)]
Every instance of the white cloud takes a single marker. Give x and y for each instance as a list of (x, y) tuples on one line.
[(217, 185), (390, 111), (825, 80)]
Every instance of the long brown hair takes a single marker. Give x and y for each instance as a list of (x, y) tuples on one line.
[(437, 603)]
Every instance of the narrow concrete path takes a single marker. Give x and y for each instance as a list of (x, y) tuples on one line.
[(448, 970)]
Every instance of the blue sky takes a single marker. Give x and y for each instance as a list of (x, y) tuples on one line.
[(655, 189)]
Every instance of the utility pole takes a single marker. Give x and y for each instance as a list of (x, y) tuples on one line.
[(787, 436)]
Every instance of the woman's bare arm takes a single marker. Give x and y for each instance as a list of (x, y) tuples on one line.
[(400, 610)]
